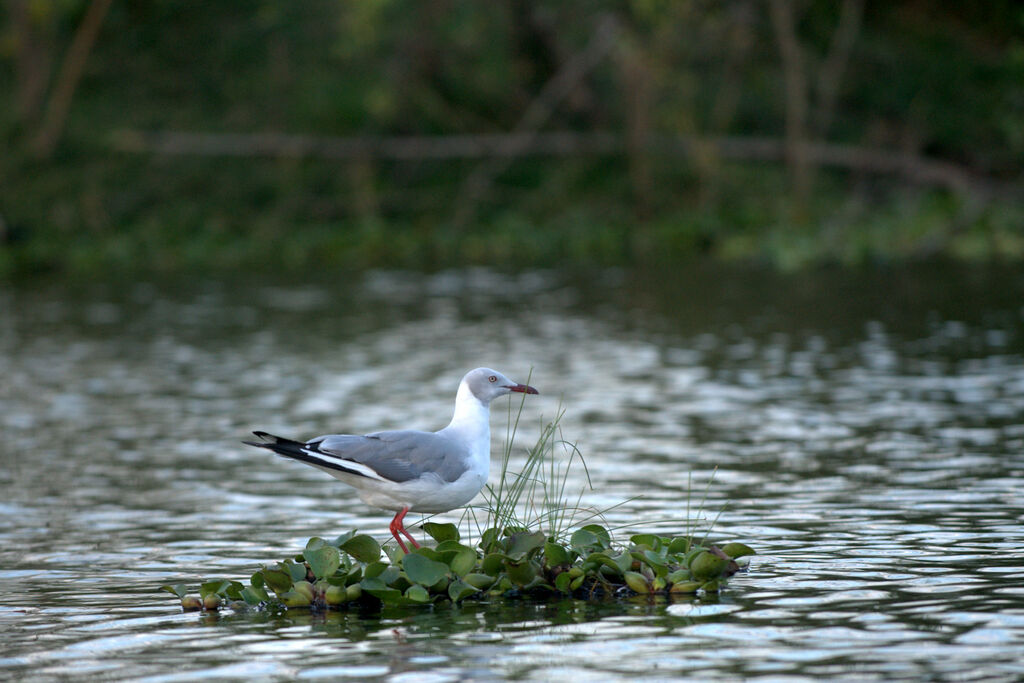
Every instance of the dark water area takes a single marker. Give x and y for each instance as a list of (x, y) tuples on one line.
[(863, 430)]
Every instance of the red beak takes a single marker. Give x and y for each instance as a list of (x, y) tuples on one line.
[(522, 389)]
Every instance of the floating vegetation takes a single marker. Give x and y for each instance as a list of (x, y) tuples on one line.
[(353, 570), (527, 547)]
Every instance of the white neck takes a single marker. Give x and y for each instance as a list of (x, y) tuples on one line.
[(471, 424)]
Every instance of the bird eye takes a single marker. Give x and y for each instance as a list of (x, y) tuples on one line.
[(492, 378)]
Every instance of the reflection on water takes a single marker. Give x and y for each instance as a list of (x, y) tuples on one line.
[(865, 432)]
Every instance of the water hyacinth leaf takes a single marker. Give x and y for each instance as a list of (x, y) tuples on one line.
[(430, 554), (252, 597), (556, 555), (685, 587), (213, 588), (679, 544), (734, 550), (417, 593), (464, 562), (652, 541), (521, 573), (313, 544), (522, 544), (374, 569), (679, 575), (178, 589), (234, 590), (583, 540), (341, 539), (711, 586), (459, 590), (380, 590), (393, 552), (256, 580), (335, 595), (294, 598), (363, 548), (562, 581), (656, 562), (441, 532), (422, 570), (707, 566), (493, 564), (391, 575), (450, 546), (296, 571), (324, 561), (478, 581), (488, 539), (278, 580), (624, 562), (637, 582), (191, 603), (603, 537)]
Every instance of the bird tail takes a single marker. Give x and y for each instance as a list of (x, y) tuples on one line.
[(308, 453)]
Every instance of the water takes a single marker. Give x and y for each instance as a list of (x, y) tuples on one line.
[(864, 432)]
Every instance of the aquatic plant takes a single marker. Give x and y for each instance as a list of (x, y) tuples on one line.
[(353, 569), (527, 547)]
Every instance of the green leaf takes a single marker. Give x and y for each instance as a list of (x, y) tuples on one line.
[(313, 544), (493, 564), (459, 590), (464, 562), (179, 589), (256, 580), (685, 587), (324, 561), (380, 590), (488, 539), (521, 573), (362, 547), (735, 550), (654, 559), (422, 570), (253, 597), (707, 566), (603, 537), (562, 582), (375, 569), (339, 541), (623, 561), (278, 580), (478, 581), (555, 555), (652, 541), (679, 544), (296, 571), (583, 541), (295, 598), (213, 588), (417, 593), (522, 544), (441, 532), (234, 590), (637, 582), (430, 554)]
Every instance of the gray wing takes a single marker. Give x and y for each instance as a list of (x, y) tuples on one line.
[(398, 455)]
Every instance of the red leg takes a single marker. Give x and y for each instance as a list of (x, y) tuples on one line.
[(397, 526)]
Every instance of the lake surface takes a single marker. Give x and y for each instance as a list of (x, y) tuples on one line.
[(863, 431)]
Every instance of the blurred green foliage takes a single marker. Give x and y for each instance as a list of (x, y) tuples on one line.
[(940, 80)]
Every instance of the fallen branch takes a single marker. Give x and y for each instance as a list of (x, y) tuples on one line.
[(914, 168)]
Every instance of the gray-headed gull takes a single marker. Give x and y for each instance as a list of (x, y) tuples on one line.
[(405, 469)]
